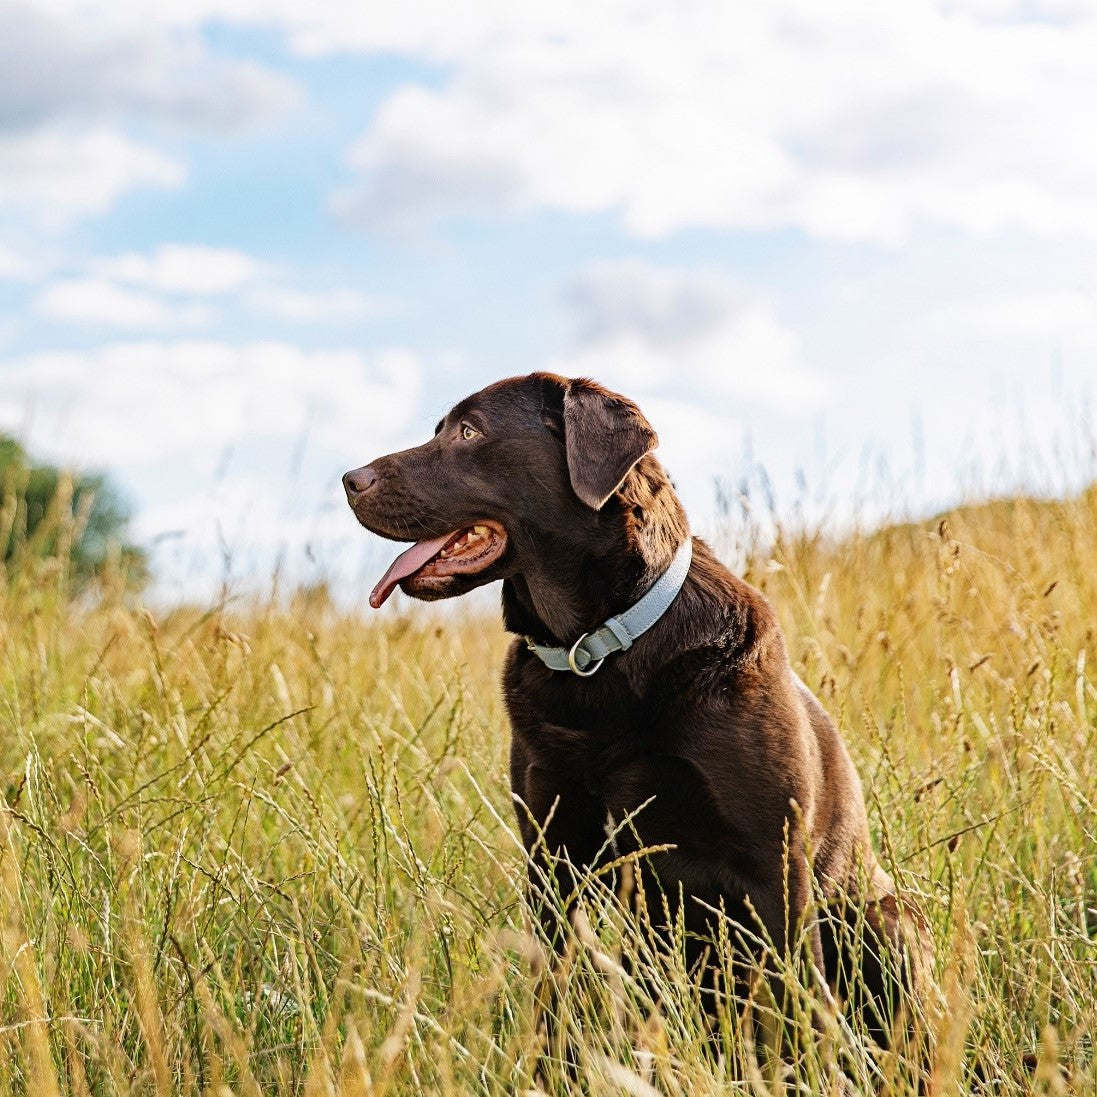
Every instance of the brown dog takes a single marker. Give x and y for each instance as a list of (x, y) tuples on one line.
[(550, 485)]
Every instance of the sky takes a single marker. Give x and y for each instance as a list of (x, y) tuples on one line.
[(843, 255)]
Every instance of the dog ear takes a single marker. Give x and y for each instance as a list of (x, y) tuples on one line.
[(605, 435)]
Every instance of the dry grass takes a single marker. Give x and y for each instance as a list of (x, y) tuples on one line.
[(271, 851)]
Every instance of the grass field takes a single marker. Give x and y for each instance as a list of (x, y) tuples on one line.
[(270, 850)]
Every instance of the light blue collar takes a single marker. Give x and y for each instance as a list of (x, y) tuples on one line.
[(588, 653)]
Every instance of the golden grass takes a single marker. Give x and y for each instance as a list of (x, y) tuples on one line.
[(271, 850)]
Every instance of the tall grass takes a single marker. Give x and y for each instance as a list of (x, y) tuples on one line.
[(271, 849)]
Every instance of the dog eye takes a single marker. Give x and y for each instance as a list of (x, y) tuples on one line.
[(468, 433)]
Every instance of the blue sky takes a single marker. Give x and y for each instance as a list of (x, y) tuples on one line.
[(247, 244)]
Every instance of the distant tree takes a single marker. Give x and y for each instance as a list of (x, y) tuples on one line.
[(47, 513)]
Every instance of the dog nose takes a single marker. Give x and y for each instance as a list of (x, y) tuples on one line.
[(359, 481)]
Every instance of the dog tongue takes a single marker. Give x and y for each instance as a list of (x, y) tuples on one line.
[(407, 563)]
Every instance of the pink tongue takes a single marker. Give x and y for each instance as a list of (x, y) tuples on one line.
[(407, 563)]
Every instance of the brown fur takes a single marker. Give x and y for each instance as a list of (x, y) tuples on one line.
[(702, 716)]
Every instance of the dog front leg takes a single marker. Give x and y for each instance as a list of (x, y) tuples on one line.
[(563, 830), (787, 923)]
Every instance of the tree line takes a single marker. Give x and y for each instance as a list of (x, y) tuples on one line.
[(49, 514)]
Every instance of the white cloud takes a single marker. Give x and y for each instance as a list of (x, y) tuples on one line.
[(76, 65), (184, 268), (1039, 318), (429, 27), (16, 267), (850, 121), (128, 405), (330, 306), (668, 306), (645, 328), (56, 176), (72, 77), (98, 301), (170, 288)]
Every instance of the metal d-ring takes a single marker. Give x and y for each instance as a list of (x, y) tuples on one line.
[(591, 667)]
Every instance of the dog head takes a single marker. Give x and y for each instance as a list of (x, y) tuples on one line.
[(526, 467)]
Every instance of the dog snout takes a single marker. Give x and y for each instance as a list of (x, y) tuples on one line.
[(358, 481)]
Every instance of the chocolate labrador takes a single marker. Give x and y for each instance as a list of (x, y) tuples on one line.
[(683, 717)]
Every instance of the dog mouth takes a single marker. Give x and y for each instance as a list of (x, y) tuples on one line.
[(465, 551)]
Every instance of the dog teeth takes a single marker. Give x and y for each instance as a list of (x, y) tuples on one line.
[(469, 537)]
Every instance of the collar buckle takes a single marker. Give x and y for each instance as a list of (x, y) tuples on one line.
[(592, 665)]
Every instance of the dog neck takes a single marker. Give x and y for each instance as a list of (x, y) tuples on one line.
[(589, 575)]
